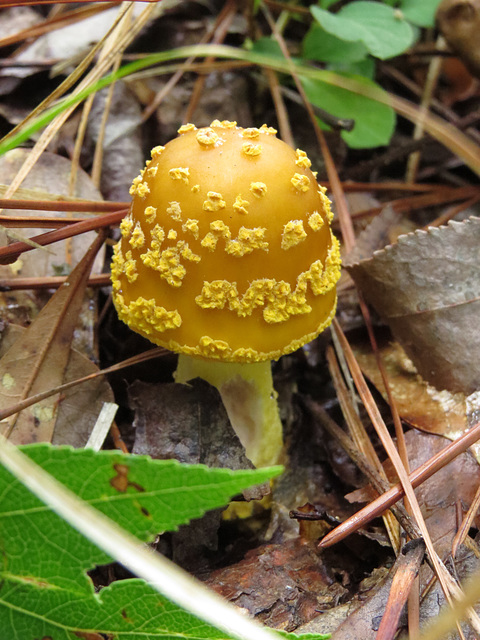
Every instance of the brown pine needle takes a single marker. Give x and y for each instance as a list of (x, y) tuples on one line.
[(13, 251), (396, 493)]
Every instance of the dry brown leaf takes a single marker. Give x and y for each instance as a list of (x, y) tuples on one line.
[(122, 144), (418, 403), (459, 23), (427, 289), (50, 175), (79, 406), (38, 360), (440, 495), (283, 585)]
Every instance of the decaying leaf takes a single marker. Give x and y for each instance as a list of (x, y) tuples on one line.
[(440, 495), (418, 403), (38, 359), (459, 23), (427, 289), (80, 406), (122, 141), (284, 585), (50, 175)]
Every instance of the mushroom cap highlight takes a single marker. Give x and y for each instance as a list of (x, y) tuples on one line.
[(227, 251)]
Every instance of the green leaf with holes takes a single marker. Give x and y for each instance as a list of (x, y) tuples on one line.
[(45, 592), (382, 29)]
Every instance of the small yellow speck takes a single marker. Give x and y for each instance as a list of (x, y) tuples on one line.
[(42, 413), (259, 189), (156, 151), (150, 214), (207, 137), (214, 202), (185, 128), (172, 234), (240, 205), (251, 149), (8, 381), (195, 188), (152, 171), (301, 182), (16, 267)]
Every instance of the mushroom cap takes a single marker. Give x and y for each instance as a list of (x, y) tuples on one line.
[(227, 251)]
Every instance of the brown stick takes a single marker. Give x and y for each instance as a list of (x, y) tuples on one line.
[(389, 498), (13, 251), (408, 565)]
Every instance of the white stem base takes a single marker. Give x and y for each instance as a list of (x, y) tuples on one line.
[(250, 401)]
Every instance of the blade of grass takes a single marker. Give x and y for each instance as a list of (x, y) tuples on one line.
[(435, 126)]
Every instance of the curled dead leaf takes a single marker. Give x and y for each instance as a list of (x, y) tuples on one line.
[(427, 289), (459, 23)]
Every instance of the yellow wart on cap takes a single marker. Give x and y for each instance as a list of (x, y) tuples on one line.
[(185, 128), (207, 137), (180, 173), (240, 205), (252, 150), (293, 234), (214, 202), (301, 182), (259, 189)]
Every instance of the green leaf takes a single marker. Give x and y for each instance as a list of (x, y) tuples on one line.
[(320, 45), (44, 589), (268, 46), (420, 13), (374, 122), (365, 68), (382, 29)]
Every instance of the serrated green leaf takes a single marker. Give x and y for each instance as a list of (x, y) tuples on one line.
[(44, 589), (320, 45), (374, 122), (382, 29), (421, 13)]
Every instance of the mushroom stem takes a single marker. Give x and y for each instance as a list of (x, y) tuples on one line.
[(250, 401)]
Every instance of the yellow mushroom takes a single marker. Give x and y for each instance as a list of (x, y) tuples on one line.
[(233, 273)]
